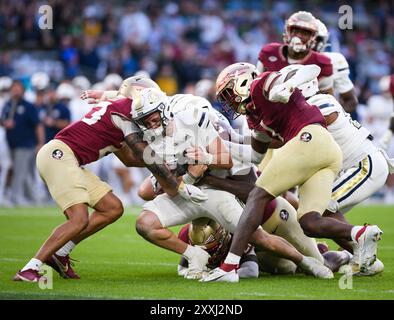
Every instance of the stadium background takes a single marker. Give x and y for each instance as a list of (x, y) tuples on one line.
[(177, 43)]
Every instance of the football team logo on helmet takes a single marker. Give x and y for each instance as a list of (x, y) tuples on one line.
[(272, 58), (284, 215), (306, 137), (57, 154)]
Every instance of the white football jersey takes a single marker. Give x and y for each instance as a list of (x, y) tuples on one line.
[(180, 106), (187, 128), (351, 137), (342, 82)]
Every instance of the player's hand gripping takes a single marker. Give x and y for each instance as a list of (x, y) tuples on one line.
[(93, 95)]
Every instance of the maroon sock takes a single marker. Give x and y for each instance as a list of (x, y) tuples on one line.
[(228, 267)]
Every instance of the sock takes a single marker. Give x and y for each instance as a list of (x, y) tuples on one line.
[(34, 264), (232, 259), (66, 249), (356, 232), (189, 252)]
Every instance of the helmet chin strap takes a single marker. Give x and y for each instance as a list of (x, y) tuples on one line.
[(297, 45)]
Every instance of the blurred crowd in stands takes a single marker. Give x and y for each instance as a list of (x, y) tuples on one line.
[(182, 45)]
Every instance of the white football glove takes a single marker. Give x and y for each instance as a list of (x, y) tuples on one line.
[(282, 92), (385, 140), (191, 193)]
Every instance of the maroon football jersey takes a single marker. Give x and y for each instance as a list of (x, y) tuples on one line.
[(273, 59), (278, 120), (392, 85), (96, 135)]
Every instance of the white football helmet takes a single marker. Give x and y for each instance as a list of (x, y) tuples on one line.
[(308, 89), (138, 83), (322, 37), (145, 103), (300, 20), (40, 80), (233, 87)]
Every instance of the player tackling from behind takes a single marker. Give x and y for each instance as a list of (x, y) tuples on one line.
[(105, 129), (309, 158)]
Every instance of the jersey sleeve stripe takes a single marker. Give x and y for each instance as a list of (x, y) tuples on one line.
[(202, 119), (325, 105), (342, 69)]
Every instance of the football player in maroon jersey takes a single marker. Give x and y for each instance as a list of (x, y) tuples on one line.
[(299, 38), (309, 158), (105, 129)]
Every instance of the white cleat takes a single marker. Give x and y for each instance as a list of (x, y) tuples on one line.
[(376, 268), (314, 267), (219, 275), (368, 244)]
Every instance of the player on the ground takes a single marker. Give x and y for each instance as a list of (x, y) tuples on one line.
[(299, 38), (191, 136), (103, 130), (342, 83), (212, 237), (309, 158)]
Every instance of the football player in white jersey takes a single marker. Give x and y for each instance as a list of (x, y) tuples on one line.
[(343, 86), (364, 169), (191, 138)]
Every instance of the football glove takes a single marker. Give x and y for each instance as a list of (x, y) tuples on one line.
[(191, 193)]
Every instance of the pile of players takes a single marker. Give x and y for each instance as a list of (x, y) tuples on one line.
[(315, 163)]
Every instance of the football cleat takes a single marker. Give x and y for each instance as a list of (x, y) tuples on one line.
[(314, 267), (29, 275), (368, 245), (63, 266), (376, 268), (219, 275)]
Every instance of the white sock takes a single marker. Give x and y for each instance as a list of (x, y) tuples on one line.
[(189, 252), (354, 232), (34, 264), (66, 249), (232, 259)]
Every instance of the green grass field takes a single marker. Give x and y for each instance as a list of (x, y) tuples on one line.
[(117, 263)]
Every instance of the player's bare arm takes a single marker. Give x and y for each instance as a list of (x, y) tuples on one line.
[(128, 158), (160, 170), (349, 100), (240, 186)]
